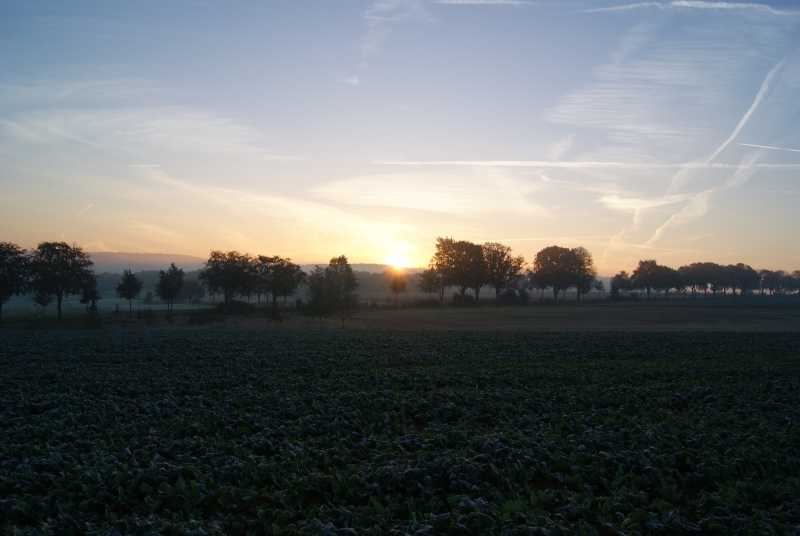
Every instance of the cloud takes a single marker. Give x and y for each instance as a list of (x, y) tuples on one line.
[(379, 18), (559, 148), (451, 194), (134, 129), (699, 203), (482, 2), (633, 166), (694, 4), (759, 96), (769, 147)]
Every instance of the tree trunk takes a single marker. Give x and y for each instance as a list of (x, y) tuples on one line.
[(59, 297), (130, 308), (555, 295), (1, 311)]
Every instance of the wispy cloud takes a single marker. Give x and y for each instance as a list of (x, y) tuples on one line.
[(483, 2), (768, 147), (759, 96), (694, 4), (443, 193), (560, 148), (577, 164), (379, 19), (699, 204)]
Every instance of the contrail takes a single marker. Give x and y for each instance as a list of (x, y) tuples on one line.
[(761, 92), (768, 147), (82, 211)]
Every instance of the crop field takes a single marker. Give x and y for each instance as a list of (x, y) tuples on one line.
[(191, 432)]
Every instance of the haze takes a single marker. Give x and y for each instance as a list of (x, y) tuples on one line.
[(663, 130)]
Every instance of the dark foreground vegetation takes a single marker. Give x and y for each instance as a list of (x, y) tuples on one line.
[(323, 432)]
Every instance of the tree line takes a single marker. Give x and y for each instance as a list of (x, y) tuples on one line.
[(56, 270), (734, 279), (464, 265)]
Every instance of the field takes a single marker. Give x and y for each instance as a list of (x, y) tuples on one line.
[(674, 314), (191, 432)]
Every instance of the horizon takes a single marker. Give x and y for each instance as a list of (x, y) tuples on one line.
[(656, 130)]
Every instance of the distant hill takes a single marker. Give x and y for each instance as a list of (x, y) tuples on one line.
[(115, 263)]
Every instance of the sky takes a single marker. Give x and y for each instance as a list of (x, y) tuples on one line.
[(653, 130)]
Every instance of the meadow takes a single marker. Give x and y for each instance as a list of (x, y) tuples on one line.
[(282, 431)]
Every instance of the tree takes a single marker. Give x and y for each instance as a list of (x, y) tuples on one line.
[(503, 270), (333, 288), (745, 277), (620, 283), (60, 269), (584, 270), (397, 285), (226, 273), (536, 281), (191, 290), (14, 272), (43, 299), (129, 288), (664, 278), (642, 276), (429, 282), (461, 265), (553, 267), (169, 284), (89, 294), (279, 276)]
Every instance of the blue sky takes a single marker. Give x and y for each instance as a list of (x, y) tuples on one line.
[(313, 129)]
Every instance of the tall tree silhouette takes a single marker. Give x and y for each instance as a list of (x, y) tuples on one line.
[(226, 273), (503, 270), (170, 282), (129, 288), (13, 272), (554, 268), (60, 269), (397, 285)]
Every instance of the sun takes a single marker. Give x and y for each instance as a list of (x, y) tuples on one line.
[(398, 261)]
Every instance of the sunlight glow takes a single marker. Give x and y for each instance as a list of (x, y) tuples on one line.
[(398, 261)]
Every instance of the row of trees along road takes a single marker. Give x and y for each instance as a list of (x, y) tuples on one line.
[(466, 265), (704, 277)]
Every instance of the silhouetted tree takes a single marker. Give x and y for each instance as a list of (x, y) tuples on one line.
[(503, 270), (89, 293), (60, 269), (663, 279), (169, 284), (554, 267), (14, 272), (642, 276), (333, 288), (279, 276), (535, 281), (43, 299), (397, 285), (430, 282), (226, 273), (461, 265), (620, 283), (745, 278), (129, 289), (191, 290), (583, 270)]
